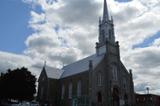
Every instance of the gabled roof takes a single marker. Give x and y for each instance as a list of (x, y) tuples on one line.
[(81, 65), (74, 68), (53, 73)]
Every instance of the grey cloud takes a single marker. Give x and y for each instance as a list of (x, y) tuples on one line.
[(125, 15), (41, 41), (86, 41), (141, 87), (10, 60), (147, 57), (80, 12), (145, 63), (66, 57)]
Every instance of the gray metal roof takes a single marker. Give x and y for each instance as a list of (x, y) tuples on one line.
[(52, 72), (81, 65), (73, 68)]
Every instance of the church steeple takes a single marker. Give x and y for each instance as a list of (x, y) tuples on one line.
[(106, 29), (105, 12)]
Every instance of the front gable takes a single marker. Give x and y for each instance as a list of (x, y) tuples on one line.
[(43, 76)]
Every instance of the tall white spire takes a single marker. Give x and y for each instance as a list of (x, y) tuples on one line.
[(105, 11)]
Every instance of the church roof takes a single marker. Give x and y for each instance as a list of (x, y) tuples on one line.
[(81, 65), (73, 68), (52, 72)]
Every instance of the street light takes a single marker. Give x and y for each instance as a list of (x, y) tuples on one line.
[(147, 88)]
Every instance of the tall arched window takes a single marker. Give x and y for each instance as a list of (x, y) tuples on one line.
[(63, 92), (103, 35), (41, 92), (110, 34), (99, 79), (70, 91), (114, 72), (125, 83), (79, 89)]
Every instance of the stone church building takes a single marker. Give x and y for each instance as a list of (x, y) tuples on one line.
[(98, 80)]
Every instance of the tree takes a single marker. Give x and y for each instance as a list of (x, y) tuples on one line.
[(18, 84)]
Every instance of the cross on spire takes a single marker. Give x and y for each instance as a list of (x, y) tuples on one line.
[(44, 64)]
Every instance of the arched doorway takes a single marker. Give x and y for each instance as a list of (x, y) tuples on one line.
[(115, 95), (126, 100), (99, 97)]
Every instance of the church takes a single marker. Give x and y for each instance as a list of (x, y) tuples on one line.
[(97, 80)]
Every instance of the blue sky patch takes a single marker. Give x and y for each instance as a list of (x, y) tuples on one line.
[(14, 25), (123, 0), (147, 42)]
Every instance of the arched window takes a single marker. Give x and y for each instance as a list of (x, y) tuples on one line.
[(126, 100), (63, 92), (103, 35), (79, 89), (99, 79), (114, 72), (110, 34), (70, 91), (125, 83), (41, 92)]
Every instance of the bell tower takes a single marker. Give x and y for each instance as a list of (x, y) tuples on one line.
[(110, 84), (106, 30)]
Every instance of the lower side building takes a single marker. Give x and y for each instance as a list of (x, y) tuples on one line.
[(147, 100)]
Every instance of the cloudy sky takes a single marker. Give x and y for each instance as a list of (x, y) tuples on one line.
[(63, 31)]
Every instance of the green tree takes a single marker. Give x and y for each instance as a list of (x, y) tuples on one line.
[(18, 84)]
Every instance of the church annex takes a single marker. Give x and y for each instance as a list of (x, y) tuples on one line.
[(98, 80)]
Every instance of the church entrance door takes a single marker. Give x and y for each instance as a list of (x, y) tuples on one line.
[(126, 100), (116, 97), (99, 99)]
